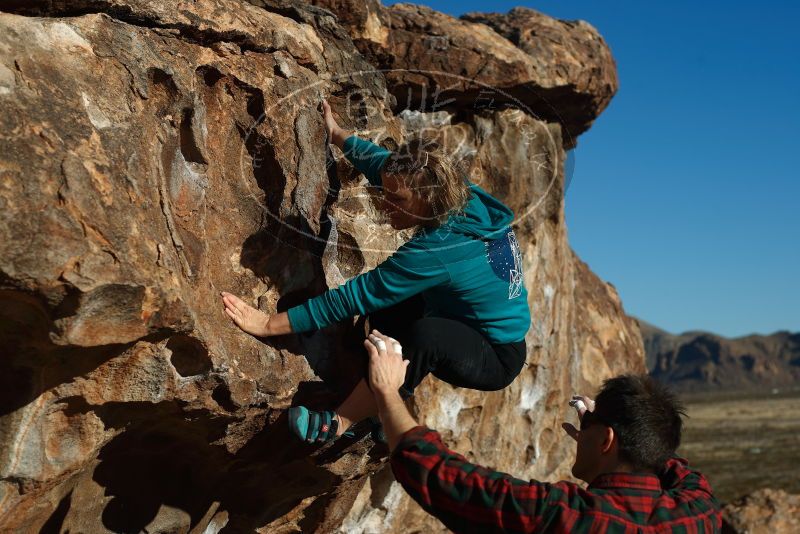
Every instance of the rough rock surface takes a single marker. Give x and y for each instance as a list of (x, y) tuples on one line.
[(559, 71), (153, 154), (566, 53), (765, 511)]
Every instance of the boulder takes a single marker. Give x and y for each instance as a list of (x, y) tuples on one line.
[(765, 511), (558, 71), (154, 154), (570, 54)]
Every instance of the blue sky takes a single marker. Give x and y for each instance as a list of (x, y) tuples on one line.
[(686, 190)]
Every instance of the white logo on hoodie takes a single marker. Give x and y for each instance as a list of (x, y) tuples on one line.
[(515, 278)]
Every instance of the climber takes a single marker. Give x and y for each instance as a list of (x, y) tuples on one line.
[(452, 295), (625, 453)]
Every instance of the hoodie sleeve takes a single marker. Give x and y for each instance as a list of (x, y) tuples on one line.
[(367, 157), (407, 272)]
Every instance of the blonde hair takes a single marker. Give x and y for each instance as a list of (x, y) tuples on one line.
[(432, 174)]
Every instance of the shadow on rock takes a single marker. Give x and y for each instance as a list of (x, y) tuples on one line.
[(165, 449), (30, 363)]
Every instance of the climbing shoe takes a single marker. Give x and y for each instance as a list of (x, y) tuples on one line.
[(311, 426), (314, 427)]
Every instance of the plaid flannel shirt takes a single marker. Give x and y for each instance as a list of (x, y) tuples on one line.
[(471, 498)]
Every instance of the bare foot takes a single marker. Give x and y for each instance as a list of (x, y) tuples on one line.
[(246, 317)]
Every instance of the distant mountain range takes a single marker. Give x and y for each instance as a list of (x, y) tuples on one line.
[(701, 359)]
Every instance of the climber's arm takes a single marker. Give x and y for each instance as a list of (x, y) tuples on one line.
[(364, 155), (407, 272), (367, 157), (336, 134)]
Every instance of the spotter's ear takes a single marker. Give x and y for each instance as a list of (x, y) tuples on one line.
[(609, 440)]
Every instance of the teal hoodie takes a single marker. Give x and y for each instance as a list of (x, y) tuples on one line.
[(469, 268)]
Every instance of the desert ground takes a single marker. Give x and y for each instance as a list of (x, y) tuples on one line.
[(743, 441)]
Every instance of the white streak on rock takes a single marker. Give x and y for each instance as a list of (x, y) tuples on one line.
[(532, 392), (378, 515), (7, 80), (62, 37), (96, 116), (549, 292), (446, 417)]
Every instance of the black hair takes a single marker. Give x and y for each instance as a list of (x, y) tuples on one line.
[(646, 417)]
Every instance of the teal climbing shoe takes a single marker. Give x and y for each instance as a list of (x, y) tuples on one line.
[(314, 427), (311, 426)]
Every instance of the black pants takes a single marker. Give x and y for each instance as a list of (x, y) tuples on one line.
[(451, 350)]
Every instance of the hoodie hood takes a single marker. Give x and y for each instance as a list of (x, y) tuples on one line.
[(484, 217)]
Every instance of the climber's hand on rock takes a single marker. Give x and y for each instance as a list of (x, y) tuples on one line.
[(582, 404), (246, 317), (336, 134), (330, 123), (387, 368)]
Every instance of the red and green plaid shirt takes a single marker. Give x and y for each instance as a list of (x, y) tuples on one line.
[(470, 498)]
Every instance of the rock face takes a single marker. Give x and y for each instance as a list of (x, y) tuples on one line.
[(565, 53), (701, 359), (153, 154), (765, 511), (558, 71)]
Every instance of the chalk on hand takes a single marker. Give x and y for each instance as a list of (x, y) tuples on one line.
[(579, 405), (396, 347), (378, 342)]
